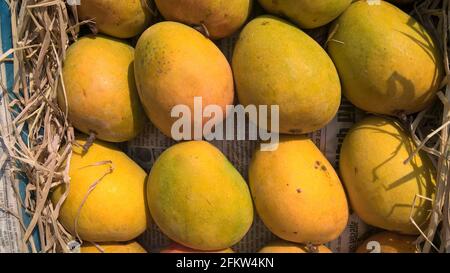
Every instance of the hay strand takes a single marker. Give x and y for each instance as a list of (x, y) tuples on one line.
[(38, 137)]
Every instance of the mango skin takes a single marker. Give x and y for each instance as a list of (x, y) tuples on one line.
[(120, 19), (288, 247), (275, 63), (387, 61), (174, 64), (197, 198), (127, 247), (177, 248), (101, 94), (221, 17), (307, 14), (390, 243), (297, 193), (115, 211), (381, 188)]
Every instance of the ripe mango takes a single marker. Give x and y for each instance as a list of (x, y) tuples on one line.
[(128, 247), (112, 186), (387, 61), (221, 17), (381, 187), (288, 247), (197, 198), (388, 242), (306, 13), (100, 93), (121, 19), (174, 64), (297, 193), (177, 248), (275, 63)]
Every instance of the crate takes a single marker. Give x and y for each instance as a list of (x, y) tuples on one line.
[(28, 231)]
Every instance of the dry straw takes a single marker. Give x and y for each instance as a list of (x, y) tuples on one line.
[(435, 15), (42, 31), (38, 137)]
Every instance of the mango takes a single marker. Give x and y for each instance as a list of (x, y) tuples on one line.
[(388, 62), (177, 248), (221, 17), (307, 14), (275, 63), (380, 185), (121, 19), (388, 242), (127, 247), (99, 92), (288, 247), (106, 201), (297, 193), (174, 64), (197, 198)]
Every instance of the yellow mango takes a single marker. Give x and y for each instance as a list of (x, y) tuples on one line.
[(288, 247), (221, 17), (387, 61), (174, 64), (100, 94), (275, 63), (121, 19), (127, 247), (297, 193), (112, 187), (306, 13), (197, 198), (381, 187), (177, 248), (388, 242)]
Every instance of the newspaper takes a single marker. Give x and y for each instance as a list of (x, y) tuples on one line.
[(147, 147), (10, 230)]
